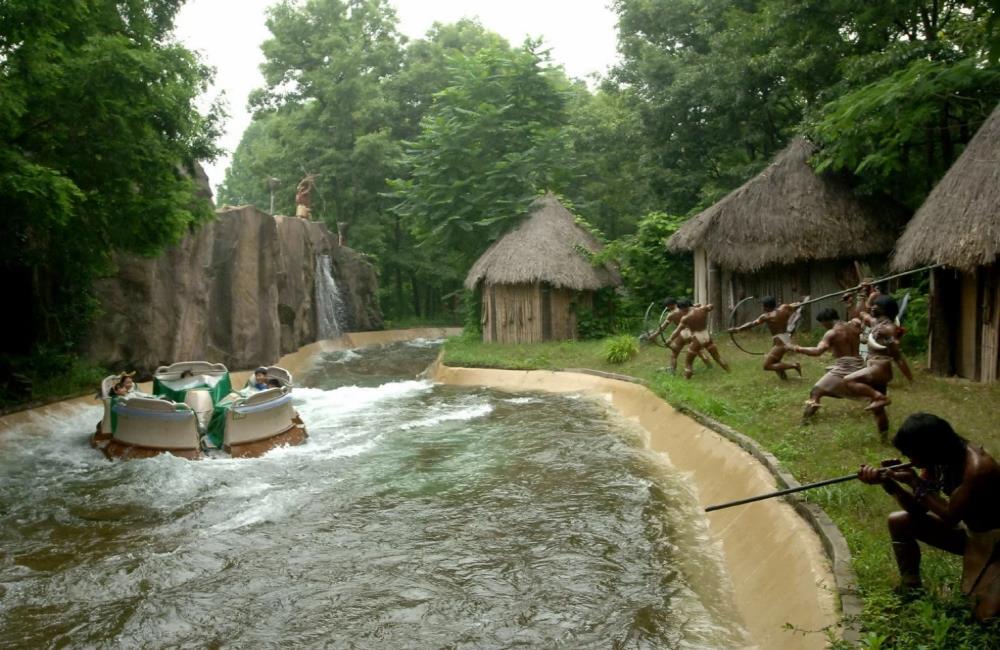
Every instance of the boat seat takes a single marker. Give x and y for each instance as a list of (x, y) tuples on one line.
[(156, 424), (279, 373), (175, 370), (155, 404), (262, 397), (107, 384)]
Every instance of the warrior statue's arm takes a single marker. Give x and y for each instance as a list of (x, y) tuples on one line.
[(819, 348), (760, 320)]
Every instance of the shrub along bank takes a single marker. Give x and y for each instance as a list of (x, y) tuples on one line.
[(839, 438)]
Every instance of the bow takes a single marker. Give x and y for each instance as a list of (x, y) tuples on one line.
[(647, 329), (732, 323)]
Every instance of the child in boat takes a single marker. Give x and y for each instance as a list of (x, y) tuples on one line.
[(260, 379)]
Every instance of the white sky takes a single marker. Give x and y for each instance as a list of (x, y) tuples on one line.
[(228, 34)]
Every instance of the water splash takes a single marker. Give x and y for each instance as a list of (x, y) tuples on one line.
[(329, 305)]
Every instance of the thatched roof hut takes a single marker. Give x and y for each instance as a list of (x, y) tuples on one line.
[(535, 275), (959, 223), (786, 214), (958, 226), (543, 248), (786, 232)]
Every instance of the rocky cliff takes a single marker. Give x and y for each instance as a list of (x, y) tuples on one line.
[(240, 290)]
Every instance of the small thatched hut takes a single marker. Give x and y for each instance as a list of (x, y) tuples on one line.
[(534, 276), (787, 232), (959, 226)]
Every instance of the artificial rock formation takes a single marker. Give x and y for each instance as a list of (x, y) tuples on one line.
[(240, 290)]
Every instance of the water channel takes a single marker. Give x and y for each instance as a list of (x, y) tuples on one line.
[(416, 516)]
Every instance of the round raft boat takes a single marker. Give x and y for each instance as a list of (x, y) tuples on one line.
[(194, 410)]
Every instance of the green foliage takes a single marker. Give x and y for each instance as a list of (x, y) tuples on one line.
[(471, 308), (722, 85), (648, 271), (900, 134), (48, 373), (490, 142), (916, 320), (621, 348), (363, 94), (602, 317), (98, 126)]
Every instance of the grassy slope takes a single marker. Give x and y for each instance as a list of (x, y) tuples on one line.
[(841, 436)]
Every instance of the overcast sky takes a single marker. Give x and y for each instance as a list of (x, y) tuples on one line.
[(228, 34)]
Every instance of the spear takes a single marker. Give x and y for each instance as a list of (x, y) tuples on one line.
[(885, 279), (800, 488)]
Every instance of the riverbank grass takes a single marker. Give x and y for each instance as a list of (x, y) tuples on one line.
[(835, 442)]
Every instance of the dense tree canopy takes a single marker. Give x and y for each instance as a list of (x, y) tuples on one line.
[(430, 148), (97, 127)]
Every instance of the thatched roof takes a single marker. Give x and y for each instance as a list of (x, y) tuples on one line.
[(959, 223), (786, 214), (543, 248)]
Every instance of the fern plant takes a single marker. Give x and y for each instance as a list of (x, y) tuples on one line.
[(621, 348)]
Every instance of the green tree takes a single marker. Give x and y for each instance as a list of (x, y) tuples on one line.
[(723, 84), (648, 271), (344, 90), (610, 169), (492, 140), (97, 125)]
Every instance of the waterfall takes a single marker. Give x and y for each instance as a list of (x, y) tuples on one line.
[(329, 306)]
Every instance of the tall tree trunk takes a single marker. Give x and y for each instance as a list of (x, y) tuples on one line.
[(414, 285)]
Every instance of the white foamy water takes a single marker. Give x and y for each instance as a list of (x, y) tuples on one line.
[(413, 516)]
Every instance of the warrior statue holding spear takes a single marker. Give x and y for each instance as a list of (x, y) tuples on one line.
[(872, 382), (842, 339), (777, 318), (303, 198)]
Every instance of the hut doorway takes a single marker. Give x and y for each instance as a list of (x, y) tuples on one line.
[(965, 323)]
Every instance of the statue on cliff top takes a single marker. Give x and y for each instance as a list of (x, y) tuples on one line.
[(303, 200)]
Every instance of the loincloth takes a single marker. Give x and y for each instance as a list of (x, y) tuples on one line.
[(702, 336), (833, 381), (784, 340), (981, 565)]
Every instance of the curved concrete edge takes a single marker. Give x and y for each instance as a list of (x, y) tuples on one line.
[(783, 583), (833, 540)]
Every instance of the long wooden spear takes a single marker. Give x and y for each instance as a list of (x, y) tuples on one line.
[(808, 486), (885, 279)]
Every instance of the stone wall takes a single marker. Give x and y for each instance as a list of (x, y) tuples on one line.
[(239, 290)]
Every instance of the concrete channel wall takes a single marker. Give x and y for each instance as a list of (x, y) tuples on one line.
[(783, 582)]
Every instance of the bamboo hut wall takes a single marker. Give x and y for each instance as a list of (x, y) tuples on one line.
[(968, 328), (788, 284), (562, 313), (529, 313), (512, 314), (990, 311), (965, 323)]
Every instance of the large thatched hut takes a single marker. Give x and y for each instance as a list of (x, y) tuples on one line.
[(787, 232), (536, 276), (959, 226)]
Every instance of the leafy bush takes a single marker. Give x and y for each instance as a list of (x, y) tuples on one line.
[(649, 272), (600, 319), (916, 320), (621, 348)]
